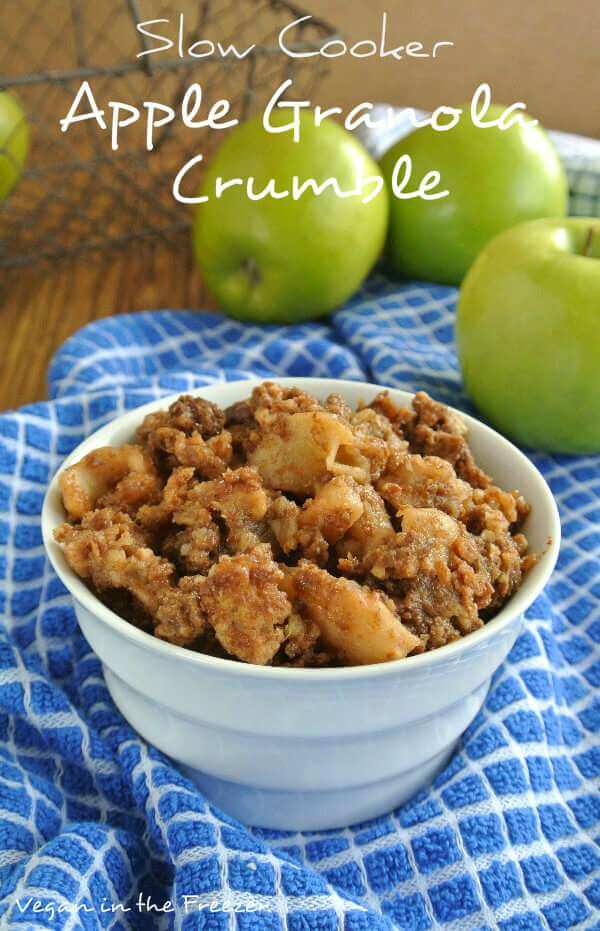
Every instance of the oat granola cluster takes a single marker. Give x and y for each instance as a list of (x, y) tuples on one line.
[(287, 531)]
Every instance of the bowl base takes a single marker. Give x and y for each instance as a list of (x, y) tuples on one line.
[(316, 810), (357, 794)]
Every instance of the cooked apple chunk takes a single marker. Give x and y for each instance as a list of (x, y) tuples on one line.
[(356, 623)]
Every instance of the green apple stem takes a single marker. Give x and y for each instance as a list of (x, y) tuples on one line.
[(589, 240), (252, 270)]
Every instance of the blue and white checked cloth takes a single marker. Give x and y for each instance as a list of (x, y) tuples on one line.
[(98, 830)]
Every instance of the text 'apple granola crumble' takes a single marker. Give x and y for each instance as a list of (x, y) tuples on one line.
[(290, 532)]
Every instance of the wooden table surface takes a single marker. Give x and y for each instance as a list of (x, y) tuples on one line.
[(40, 306)]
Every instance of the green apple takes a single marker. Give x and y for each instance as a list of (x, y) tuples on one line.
[(285, 260), (496, 179), (14, 142), (528, 334)]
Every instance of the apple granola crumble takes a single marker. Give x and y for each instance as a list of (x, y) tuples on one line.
[(286, 531)]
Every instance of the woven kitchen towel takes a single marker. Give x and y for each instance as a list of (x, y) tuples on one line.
[(98, 830)]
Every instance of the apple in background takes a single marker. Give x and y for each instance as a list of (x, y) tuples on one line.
[(14, 142), (496, 179), (528, 334), (281, 261)]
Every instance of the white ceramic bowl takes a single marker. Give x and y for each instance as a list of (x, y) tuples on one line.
[(307, 748)]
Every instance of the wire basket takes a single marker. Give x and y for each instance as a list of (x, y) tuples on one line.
[(75, 193)]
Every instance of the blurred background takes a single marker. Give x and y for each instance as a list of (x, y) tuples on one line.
[(544, 52), (88, 233)]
